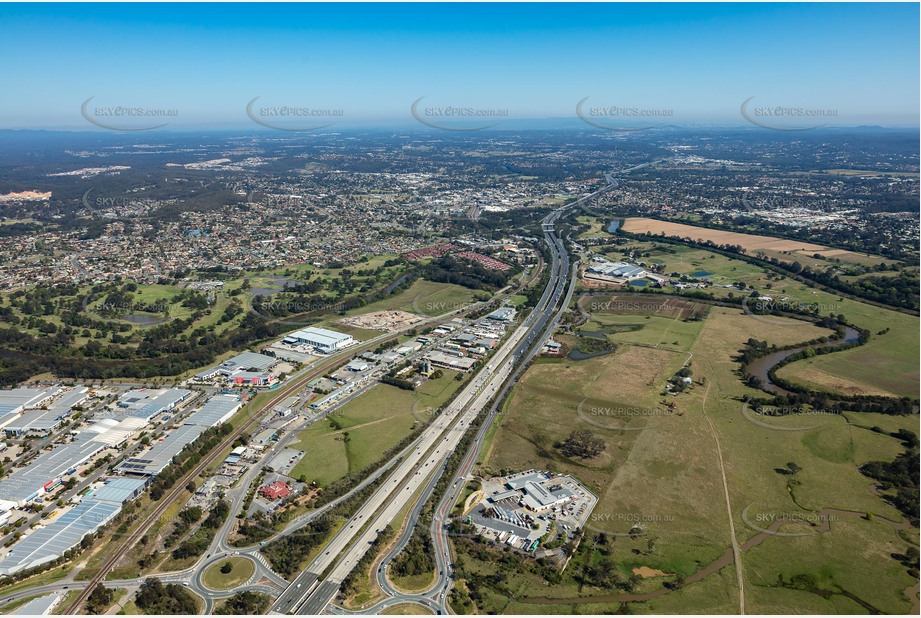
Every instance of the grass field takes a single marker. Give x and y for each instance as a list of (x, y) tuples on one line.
[(886, 364), (375, 422), (241, 570), (668, 476), (422, 297)]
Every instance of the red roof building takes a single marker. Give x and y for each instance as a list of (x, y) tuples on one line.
[(278, 489)]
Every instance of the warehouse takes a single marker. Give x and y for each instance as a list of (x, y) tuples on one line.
[(247, 361), (40, 422), (33, 422), (616, 271), (218, 409), (322, 339), (52, 541), (146, 404), (113, 434), (503, 314), (14, 401), (160, 454), (26, 484), (458, 363), (42, 606), (253, 378), (119, 490), (66, 403)]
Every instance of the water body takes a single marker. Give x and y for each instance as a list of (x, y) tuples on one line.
[(142, 319), (274, 286), (614, 226), (701, 273), (639, 283), (578, 355), (760, 366)]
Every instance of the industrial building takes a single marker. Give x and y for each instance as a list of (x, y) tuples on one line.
[(616, 271), (63, 405), (322, 339), (218, 409), (245, 363), (52, 541), (45, 472), (32, 422), (115, 433), (503, 314), (145, 403), (42, 606), (152, 461), (253, 378), (15, 401), (449, 361), (38, 421)]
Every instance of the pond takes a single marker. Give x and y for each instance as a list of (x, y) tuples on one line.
[(614, 226), (273, 286), (142, 319)]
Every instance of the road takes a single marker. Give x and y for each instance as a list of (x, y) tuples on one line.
[(315, 588), (435, 597), (297, 382)]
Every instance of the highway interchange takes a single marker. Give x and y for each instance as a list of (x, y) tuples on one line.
[(411, 475)]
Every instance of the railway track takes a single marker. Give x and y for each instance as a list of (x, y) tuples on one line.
[(179, 487)]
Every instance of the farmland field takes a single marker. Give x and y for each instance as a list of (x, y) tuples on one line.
[(787, 249)]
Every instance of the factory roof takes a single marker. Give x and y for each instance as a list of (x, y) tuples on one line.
[(21, 484), (251, 360), (33, 419), (48, 543), (18, 399), (68, 400), (40, 606), (520, 481), (118, 490), (146, 404), (161, 454), (215, 411), (320, 335)]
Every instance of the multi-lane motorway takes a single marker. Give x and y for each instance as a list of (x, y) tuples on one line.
[(316, 587), (411, 476)]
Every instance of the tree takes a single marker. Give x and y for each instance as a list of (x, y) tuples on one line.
[(99, 600), (243, 603), (583, 444), (226, 568)]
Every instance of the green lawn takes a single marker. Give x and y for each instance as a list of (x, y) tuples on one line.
[(375, 422), (241, 570), (422, 297)]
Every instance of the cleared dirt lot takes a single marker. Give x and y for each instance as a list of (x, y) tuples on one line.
[(386, 321)]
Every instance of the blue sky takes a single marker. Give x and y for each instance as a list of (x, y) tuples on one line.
[(532, 60)]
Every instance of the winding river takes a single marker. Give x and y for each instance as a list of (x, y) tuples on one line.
[(761, 366)]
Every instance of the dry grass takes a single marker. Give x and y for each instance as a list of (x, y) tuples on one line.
[(750, 242)]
